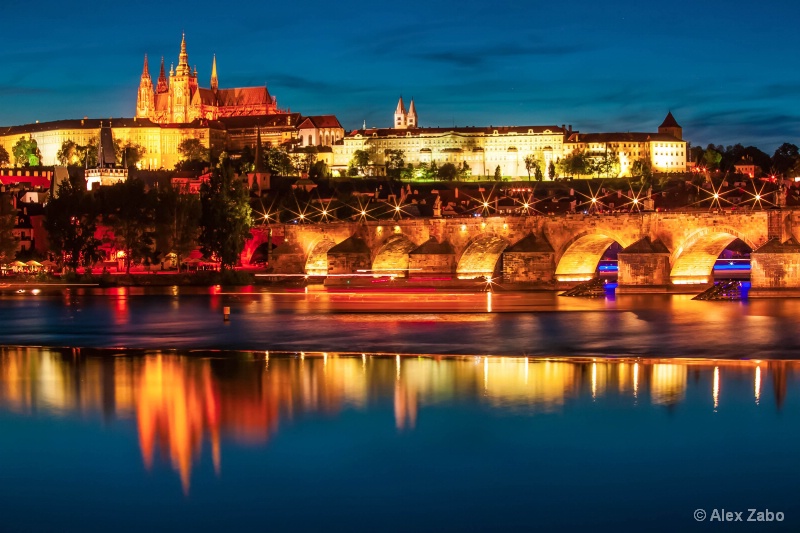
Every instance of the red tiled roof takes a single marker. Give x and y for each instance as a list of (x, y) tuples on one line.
[(320, 121), (243, 96)]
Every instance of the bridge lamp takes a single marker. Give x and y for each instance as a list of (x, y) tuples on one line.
[(363, 213), (302, 216), (525, 206), (463, 227), (397, 209), (758, 197), (324, 212), (716, 196), (635, 201), (594, 200)]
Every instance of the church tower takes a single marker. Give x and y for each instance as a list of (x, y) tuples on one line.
[(214, 81), (670, 126), (144, 101), (400, 116), (162, 86), (411, 119), (181, 83)]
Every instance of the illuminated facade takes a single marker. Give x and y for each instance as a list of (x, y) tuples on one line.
[(180, 99), (485, 149), (665, 151)]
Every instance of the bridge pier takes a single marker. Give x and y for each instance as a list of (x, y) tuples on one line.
[(643, 267), (775, 269), (530, 260)]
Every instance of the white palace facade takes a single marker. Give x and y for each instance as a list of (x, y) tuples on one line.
[(484, 149)]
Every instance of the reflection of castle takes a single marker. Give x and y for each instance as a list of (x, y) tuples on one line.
[(179, 402)]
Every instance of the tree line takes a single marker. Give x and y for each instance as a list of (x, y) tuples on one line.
[(150, 224)]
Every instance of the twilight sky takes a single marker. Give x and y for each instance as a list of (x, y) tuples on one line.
[(727, 69)]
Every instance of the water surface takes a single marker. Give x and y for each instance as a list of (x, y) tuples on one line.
[(131, 441)]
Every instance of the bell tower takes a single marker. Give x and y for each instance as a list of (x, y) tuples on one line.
[(180, 83), (400, 116), (144, 101), (411, 119)]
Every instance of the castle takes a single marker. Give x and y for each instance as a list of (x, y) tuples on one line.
[(180, 99)]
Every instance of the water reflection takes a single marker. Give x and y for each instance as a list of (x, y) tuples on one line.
[(182, 403)]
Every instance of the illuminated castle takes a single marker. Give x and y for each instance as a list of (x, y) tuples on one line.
[(181, 99)]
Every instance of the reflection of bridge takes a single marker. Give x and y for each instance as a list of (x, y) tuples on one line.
[(658, 249)]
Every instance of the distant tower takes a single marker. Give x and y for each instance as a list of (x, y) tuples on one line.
[(671, 127), (144, 102), (214, 81), (400, 116), (162, 86), (411, 119), (182, 84)]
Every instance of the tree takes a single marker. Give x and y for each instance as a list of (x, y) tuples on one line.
[(551, 170), (26, 152), (712, 158), (70, 220), (177, 221), (226, 217), (464, 172), (448, 172), (278, 161), (785, 157), (4, 157), (642, 167), (69, 153), (360, 160), (498, 175), (575, 164), (319, 170), (8, 219), (532, 163), (193, 150), (129, 210), (394, 162), (129, 154)]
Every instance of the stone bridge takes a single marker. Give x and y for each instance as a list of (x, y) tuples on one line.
[(658, 249)]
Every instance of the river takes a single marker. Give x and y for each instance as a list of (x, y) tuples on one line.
[(132, 409)]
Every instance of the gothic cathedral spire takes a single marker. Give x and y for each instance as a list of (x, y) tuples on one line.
[(144, 100), (183, 60), (162, 80), (214, 81)]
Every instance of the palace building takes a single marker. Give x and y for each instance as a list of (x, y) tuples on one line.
[(177, 109), (485, 149)]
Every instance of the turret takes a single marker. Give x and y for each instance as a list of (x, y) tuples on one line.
[(411, 119), (144, 100), (183, 60), (400, 116), (214, 81), (162, 86), (670, 126)]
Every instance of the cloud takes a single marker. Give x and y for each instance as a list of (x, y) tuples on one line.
[(480, 56)]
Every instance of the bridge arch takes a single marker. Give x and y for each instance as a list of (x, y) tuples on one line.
[(392, 258), (693, 260), (317, 260), (580, 256), (481, 256)]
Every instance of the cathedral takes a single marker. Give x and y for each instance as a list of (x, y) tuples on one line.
[(179, 99)]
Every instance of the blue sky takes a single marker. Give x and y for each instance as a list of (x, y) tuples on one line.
[(726, 69)]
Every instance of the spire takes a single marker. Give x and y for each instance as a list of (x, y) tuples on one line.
[(259, 162), (214, 81), (401, 108), (183, 59), (162, 79), (411, 119), (146, 69)]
